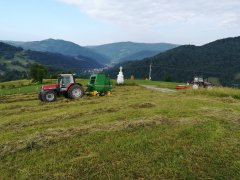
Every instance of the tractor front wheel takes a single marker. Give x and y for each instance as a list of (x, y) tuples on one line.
[(40, 96), (49, 96), (75, 92)]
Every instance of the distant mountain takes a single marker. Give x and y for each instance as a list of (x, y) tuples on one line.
[(15, 62), (219, 59), (104, 54), (62, 47), (76, 64), (139, 55), (14, 43), (121, 51), (8, 51)]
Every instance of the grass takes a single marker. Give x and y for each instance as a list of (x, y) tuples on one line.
[(17, 83), (133, 134), (222, 92)]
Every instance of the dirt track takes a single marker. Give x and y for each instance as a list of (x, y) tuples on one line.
[(155, 88)]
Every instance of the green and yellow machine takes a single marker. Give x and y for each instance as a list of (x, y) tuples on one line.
[(99, 84)]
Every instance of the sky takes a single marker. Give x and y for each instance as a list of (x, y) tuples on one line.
[(94, 22)]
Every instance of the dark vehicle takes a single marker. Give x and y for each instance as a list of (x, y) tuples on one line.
[(198, 81)]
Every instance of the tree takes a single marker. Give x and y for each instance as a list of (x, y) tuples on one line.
[(38, 72)]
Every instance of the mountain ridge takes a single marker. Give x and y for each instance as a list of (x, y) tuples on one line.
[(66, 48), (105, 54)]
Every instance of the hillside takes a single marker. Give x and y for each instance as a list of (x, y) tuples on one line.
[(62, 47), (139, 55), (76, 64), (133, 134), (119, 52), (15, 62), (219, 59)]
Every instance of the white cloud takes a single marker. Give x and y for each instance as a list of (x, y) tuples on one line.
[(167, 20), (149, 12)]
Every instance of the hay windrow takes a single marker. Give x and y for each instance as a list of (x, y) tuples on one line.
[(51, 136)]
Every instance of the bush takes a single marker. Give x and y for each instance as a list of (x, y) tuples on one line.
[(38, 72)]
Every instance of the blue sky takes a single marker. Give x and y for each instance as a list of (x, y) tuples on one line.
[(90, 22)]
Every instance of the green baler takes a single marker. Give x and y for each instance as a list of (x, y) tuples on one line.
[(99, 84)]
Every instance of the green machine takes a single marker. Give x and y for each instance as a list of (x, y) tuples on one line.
[(99, 84)]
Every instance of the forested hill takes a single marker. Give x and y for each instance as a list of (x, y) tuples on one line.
[(66, 48), (139, 55), (122, 51), (15, 62), (219, 59), (7, 51)]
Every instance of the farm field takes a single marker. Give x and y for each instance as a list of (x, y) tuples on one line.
[(135, 133)]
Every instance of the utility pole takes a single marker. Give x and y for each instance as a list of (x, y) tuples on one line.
[(150, 72)]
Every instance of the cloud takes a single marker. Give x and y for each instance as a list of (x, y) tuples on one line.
[(183, 22), (224, 13)]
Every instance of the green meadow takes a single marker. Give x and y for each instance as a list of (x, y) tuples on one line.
[(135, 133)]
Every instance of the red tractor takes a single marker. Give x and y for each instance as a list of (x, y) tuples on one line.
[(66, 86)]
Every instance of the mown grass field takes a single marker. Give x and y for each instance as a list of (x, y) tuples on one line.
[(135, 133)]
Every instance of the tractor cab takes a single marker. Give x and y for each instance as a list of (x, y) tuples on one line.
[(198, 79), (64, 80)]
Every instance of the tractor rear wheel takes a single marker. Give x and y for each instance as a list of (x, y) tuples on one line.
[(49, 96), (75, 92)]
